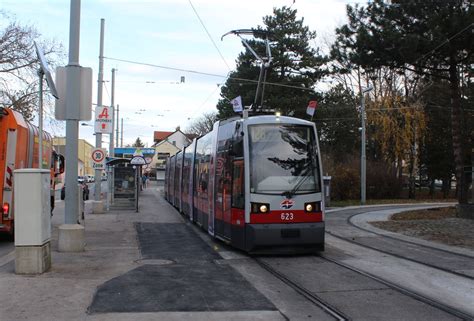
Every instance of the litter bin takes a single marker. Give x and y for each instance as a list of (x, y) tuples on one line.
[(327, 190)]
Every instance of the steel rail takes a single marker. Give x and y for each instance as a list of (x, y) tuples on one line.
[(313, 298), (405, 291), (432, 248)]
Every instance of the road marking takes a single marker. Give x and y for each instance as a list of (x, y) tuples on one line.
[(7, 258)]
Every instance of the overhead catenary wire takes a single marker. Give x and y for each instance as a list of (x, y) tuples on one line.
[(205, 73), (446, 41), (209, 35), (203, 103), (106, 90)]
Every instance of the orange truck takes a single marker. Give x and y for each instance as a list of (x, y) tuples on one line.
[(19, 148)]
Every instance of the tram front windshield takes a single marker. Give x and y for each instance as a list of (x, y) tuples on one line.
[(283, 158)]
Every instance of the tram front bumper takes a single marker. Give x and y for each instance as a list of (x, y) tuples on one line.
[(309, 235)]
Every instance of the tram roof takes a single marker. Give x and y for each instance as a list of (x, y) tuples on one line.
[(270, 119), (277, 119)]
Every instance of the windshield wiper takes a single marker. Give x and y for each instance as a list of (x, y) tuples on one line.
[(290, 194)]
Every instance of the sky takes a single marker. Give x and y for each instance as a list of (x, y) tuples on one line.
[(168, 33)]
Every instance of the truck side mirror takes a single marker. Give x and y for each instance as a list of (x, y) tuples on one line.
[(61, 163)]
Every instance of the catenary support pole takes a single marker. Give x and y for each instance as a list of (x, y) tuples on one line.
[(72, 103), (117, 127), (98, 136), (112, 107)]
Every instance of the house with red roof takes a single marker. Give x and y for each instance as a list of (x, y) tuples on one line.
[(176, 138)]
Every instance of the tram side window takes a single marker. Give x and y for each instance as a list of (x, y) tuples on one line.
[(238, 143), (238, 193)]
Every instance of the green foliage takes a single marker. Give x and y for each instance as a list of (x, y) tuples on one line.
[(337, 121), (407, 34), (295, 63), (429, 38), (138, 143), (436, 160)]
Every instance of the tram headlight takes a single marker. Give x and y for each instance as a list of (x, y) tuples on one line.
[(277, 115), (260, 208), (312, 207)]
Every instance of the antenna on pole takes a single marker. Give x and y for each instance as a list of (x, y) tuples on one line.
[(265, 62)]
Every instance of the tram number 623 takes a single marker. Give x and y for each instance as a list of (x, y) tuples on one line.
[(286, 216)]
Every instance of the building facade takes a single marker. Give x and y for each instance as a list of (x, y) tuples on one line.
[(84, 153)]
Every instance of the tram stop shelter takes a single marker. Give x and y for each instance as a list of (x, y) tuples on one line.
[(122, 181)]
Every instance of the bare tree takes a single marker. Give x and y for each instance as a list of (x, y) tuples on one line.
[(202, 125), (19, 65)]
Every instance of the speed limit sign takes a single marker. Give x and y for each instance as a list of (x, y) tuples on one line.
[(98, 158)]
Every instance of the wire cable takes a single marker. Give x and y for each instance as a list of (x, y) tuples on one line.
[(446, 41), (106, 90), (209, 35), (204, 102), (205, 73)]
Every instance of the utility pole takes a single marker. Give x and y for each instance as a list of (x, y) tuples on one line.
[(98, 205), (117, 129), (363, 174), (72, 126), (121, 132), (112, 107)]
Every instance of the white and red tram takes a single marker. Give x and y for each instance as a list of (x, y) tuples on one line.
[(253, 182)]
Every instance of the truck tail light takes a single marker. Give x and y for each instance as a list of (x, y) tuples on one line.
[(6, 209)]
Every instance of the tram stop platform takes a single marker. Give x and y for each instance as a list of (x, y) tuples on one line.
[(151, 265)]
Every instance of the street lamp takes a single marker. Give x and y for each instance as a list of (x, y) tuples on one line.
[(362, 147)]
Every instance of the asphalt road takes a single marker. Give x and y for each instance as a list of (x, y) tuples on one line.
[(173, 256)]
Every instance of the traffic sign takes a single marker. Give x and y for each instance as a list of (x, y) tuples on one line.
[(104, 116), (98, 158), (138, 160)]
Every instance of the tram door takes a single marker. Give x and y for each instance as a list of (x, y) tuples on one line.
[(223, 182), (223, 197)]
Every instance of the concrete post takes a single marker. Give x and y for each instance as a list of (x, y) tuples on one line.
[(71, 234), (117, 127), (98, 205)]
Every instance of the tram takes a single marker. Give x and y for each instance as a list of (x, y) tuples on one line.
[(253, 182)]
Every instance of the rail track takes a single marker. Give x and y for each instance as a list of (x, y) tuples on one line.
[(336, 313), (310, 296), (438, 258)]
